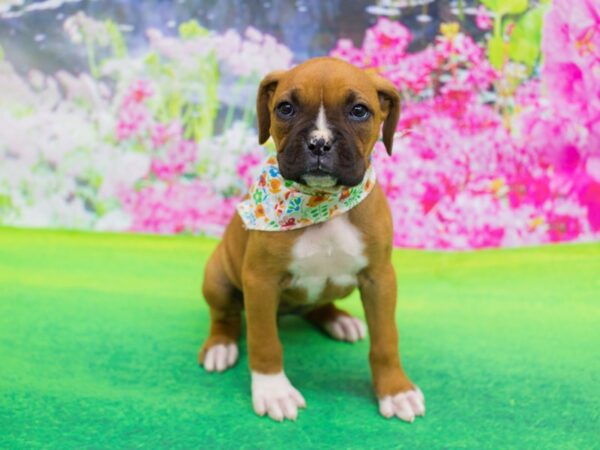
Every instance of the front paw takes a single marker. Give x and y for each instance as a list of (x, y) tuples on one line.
[(218, 353), (404, 405), (346, 328), (274, 395)]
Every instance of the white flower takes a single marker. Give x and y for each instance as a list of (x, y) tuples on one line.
[(80, 26), (115, 220), (7, 5), (120, 169)]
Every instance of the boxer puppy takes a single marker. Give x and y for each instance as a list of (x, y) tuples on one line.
[(324, 116)]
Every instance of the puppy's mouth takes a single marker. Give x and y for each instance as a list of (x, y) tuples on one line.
[(341, 166), (319, 179)]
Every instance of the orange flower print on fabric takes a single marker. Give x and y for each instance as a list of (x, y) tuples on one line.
[(316, 200), (275, 186), (262, 181)]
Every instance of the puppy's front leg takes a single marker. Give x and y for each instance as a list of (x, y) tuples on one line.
[(397, 395), (272, 392)]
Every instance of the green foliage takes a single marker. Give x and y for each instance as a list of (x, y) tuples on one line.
[(116, 39), (91, 56), (1, 53), (503, 7), (6, 206), (152, 62), (526, 38), (461, 10), (192, 29), (199, 114), (496, 51), (186, 93), (524, 42)]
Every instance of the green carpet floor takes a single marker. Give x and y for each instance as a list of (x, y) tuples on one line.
[(99, 335)]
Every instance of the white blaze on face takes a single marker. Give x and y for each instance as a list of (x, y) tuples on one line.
[(322, 130)]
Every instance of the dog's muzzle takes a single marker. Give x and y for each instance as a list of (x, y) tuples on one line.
[(321, 160)]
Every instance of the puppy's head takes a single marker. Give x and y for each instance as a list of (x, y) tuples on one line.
[(325, 116)]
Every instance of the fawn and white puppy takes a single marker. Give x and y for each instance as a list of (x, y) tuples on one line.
[(314, 227)]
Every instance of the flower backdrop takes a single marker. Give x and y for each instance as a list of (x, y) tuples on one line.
[(498, 142)]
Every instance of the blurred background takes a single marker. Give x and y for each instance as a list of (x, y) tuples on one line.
[(124, 115)]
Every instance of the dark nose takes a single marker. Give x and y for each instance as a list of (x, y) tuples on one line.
[(319, 146)]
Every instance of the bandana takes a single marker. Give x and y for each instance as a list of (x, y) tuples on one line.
[(276, 204)]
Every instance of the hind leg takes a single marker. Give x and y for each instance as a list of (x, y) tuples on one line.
[(220, 350), (337, 323)]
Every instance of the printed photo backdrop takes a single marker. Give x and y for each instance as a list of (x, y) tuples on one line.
[(139, 116)]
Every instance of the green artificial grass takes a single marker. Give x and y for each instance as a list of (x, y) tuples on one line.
[(99, 335)]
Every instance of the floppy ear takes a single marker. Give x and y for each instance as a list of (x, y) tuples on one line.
[(263, 114), (389, 99)]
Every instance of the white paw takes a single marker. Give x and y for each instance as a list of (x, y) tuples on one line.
[(405, 405), (274, 395), (346, 328), (220, 357)]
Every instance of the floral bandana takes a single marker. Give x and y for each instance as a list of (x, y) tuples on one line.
[(276, 204)]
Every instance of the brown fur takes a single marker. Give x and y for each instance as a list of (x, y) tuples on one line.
[(255, 262)]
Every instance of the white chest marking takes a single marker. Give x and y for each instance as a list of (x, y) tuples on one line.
[(331, 251), (322, 130)]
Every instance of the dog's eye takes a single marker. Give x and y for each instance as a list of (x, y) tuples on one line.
[(285, 110), (359, 112)]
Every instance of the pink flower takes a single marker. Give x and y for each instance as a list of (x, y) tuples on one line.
[(571, 47), (459, 46), (385, 43), (566, 82), (132, 120), (466, 172), (482, 18), (528, 94), (133, 116), (138, 92), (590, 196), (593, 167), (384, 46), (430, 198), (526, 189), (563, 227), (178, 160), (248, 166), (162, 133), (414, 71), (568, 159), (345, 50), (482, 76), (178, 207)]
